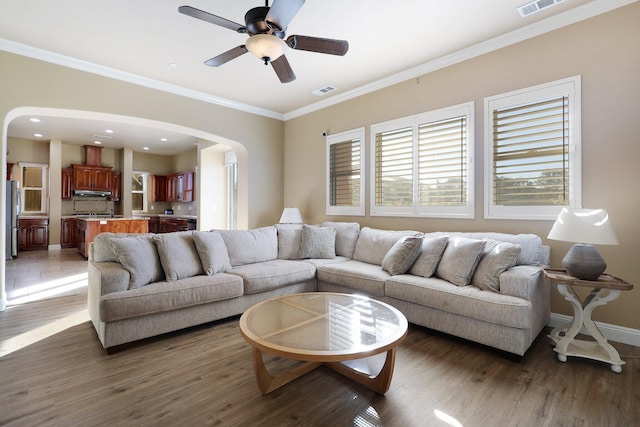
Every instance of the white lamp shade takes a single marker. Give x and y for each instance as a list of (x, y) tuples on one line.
[(266, 46), (590, 226), (291, 216)]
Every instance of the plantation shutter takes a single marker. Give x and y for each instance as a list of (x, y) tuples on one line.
[(531, 153), (344, 180), (442, 167), (394, 168)]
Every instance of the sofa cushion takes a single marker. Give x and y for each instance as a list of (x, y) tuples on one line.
[(459, 260), (274, 274), (289, 237), (373, 244), (139, 256), (402, 255), (251, 246), (427, 262), (467, 301), (212, 252), (178, 255), (166, 296), (103, 251), (317, 242), (346, 236), (356, 275), (496, 259)]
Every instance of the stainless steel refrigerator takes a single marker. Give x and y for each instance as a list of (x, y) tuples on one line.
[(13, 210)]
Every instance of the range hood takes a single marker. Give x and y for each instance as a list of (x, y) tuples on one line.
[(91, 193)]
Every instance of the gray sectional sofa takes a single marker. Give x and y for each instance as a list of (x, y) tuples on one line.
[(484, 287)]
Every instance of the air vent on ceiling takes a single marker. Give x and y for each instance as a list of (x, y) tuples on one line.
[(536, 6), (324, 90)]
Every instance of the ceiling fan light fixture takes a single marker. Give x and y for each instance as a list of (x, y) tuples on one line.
[(266, 47)]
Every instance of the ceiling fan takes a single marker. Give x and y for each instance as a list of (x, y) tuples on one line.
[(266, 27)]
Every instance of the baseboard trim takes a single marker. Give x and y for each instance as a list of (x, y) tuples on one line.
[(55, 247), (611, 332)]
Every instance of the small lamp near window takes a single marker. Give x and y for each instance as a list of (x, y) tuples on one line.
[(585, 227), (290, 216)]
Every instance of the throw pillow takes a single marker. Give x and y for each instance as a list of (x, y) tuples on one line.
[(317, 242), (427, 262), (251, 246), (459, 260), (346, 236), (289, 238), (497, 258), (178, 255), (402, 255), (373, 244), (139, 256), (212, 252)]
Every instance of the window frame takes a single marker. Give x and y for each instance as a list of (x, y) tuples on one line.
[(569, 87), (350, 135), (44, 190), (467, 211), (145, 190)]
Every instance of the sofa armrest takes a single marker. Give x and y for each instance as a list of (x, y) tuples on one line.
[(524, 281), (108, 277)]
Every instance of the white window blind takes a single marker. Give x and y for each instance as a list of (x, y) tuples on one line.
[(345, 163), (423, 164), (532, 151)]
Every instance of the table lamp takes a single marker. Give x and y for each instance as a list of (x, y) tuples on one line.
[(290, 216), (585, 227)]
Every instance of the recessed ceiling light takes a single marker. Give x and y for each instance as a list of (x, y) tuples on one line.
[(173, 65), (97, 142), (163, 139), (145, 148), (34, 120), (38, 135), (108, 131)]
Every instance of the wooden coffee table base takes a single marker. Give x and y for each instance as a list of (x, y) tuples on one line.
[(268, 383)]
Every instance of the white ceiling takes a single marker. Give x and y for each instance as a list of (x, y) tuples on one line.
[(389, 41)]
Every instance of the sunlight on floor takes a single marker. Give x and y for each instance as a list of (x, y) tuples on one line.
[(48, 289), (27, 338), (448, 419)]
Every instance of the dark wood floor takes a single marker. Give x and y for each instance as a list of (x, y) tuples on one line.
[(54, 372)]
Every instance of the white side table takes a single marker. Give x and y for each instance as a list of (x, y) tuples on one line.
[(604, 290)]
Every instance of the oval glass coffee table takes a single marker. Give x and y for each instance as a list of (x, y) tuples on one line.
[(351, 334)]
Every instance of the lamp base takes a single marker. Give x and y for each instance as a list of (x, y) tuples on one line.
[(584, 262)]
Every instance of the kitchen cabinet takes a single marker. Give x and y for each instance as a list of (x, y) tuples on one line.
[(91, 178), (154, 224), (180, 187), (33, 234), (169, 224), (158, 188), (67, 184), (68, 232), (116, 186)]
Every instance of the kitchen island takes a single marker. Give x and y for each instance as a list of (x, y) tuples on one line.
[(88, 228)]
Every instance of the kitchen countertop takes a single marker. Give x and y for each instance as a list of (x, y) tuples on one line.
[(165, 216), (109, 219)]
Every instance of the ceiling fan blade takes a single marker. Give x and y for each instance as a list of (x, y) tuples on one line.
[(227, 56), (211, 18), (317, 44), (282, 12), (283, 69)]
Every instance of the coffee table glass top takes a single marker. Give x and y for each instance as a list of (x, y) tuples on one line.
[(323, 323)]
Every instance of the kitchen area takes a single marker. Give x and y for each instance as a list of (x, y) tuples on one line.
[(91, 201)]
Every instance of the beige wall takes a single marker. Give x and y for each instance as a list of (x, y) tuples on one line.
[(604, 50)]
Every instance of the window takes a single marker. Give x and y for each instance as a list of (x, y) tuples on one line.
[(231, 164), (423, 164), (345, 189), (532, 151), (139, 191), (34, 188)]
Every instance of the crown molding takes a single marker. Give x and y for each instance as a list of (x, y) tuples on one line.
[(552, 23), (90, 67)]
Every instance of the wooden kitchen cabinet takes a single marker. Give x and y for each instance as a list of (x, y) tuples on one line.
[(33, 234), (180, 187), (116, 186), (67, 184), (68, 232), (158, 188), (91, 178)]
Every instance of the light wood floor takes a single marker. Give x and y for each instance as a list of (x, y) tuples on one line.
[(54, 372)]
